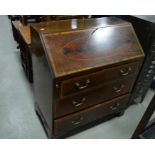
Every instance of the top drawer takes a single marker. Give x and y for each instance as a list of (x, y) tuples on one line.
[(92, 80)]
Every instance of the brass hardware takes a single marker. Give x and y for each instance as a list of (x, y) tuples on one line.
[(80, 87), (125, 72), (113, 108), (117, 90), (78, 121), (77, 104)]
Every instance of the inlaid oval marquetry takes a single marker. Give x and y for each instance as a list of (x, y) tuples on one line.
[(98, 44)]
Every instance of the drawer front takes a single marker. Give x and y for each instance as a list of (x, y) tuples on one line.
[(91, 80), (70, 122), (83, 100)]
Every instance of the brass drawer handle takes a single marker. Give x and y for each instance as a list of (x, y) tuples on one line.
[(117, 90), (125, 72), (80, 87), (77, 104), (77, 122), (113, 108)]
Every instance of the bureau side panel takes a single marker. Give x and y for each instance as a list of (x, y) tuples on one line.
[(43, 80)]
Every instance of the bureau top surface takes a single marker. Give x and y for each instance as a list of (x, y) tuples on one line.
[(25, 33), (96, 46)]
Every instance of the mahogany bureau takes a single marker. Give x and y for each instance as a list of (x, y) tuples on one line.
[(84, 70)]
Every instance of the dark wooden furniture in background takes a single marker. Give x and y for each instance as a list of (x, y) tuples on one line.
[(64, 17), (26, 19), (83, 70), (25, 50), (144, 124), (21, 34), (14, 17), (145, 30), (15, 30)]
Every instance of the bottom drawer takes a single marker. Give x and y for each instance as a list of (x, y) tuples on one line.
[(64, 124)]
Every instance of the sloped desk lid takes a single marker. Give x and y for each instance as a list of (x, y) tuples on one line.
[(80, 50)]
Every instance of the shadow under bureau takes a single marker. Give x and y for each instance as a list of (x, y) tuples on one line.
[(84, 70)]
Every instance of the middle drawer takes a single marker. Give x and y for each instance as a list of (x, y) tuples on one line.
[(83, 100), (89, 81)]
